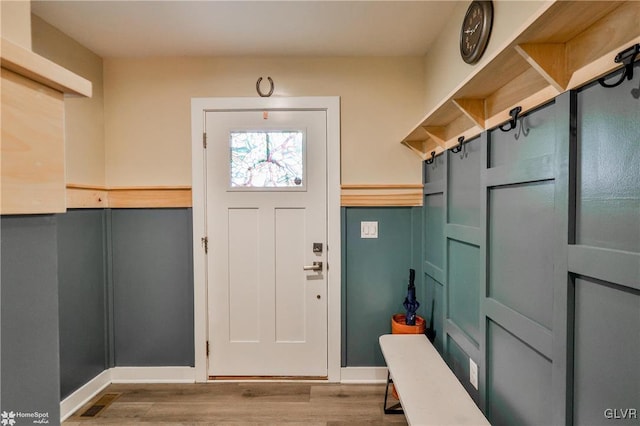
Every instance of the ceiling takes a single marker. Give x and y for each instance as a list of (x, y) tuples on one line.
[(249, 28)]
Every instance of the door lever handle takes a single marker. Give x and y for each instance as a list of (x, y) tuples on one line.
[(317, 266)]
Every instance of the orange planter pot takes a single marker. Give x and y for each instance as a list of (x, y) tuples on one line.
[(398, 325)]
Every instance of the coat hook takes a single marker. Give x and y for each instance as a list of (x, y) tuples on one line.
[(636, 93), (523, 129), (270, 90), (627, 57), (513, 121), (430, 160), (456, 149)]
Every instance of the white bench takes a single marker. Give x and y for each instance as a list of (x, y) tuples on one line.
[(430, 394)]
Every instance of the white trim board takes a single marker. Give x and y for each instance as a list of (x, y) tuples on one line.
[(93, 387), (153, 375), (364, 375), (332, 107), (69, 405), (77, 399)]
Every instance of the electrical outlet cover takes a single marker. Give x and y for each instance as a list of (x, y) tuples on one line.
[(473, 373)]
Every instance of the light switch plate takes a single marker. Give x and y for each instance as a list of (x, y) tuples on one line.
[(368, 229)]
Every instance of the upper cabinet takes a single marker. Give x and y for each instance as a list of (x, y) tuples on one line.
[(570, 44), (32, 152)]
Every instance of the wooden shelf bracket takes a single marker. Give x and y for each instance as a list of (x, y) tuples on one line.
[(549, 59), (437, 134), (474, 109)]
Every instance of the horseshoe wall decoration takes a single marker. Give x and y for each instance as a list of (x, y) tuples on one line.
[(260, 91)]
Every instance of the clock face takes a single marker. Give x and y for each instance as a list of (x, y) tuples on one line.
[(475, 31)]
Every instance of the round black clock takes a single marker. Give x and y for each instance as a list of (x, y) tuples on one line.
[(475, 31)]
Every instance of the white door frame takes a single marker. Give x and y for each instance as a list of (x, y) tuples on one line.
[(199, 106)]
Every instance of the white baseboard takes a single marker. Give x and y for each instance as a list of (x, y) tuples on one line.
[(77, 399), (363, 375), (83, 395), (181, 375), (153, 375)]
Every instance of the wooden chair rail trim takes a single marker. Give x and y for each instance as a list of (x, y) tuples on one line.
[(413, 199), (375, 186), (96, 196), (126, 188)]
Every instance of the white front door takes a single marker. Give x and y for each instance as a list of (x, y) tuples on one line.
[(266, 211)]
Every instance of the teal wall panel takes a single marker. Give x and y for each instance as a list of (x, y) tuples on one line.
[(464, 185), (436, 171), (607, 351), (417, 232), (463, 282), (458, 361), (30, 367), (377, 274), (82, 297), (152, 278), (553, 255), (519, 381), (520, 243), (605, 259), (434, 230), (505, 149), (434, 214), (343, 287), (435, 298), (608, 193)]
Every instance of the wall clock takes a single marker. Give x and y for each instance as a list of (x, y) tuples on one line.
[(475, 30)]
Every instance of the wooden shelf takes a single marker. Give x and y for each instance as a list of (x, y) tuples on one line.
[(34, 67), (570, 44), (32, 130)]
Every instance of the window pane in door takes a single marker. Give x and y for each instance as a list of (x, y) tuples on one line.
[(267, 159)]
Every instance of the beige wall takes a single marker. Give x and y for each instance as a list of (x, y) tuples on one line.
[(145, 139), (84, 117), (148, 112), (444, 68), (16, 21)]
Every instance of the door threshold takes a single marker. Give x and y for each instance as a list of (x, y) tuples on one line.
[(268, 378)]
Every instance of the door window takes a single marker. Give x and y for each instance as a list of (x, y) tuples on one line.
[(267, 160)]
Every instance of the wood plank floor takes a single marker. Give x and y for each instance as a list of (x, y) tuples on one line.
[(238, 404)]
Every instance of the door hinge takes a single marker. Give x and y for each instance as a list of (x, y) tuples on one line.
[(205, 244), (207, 348), (204, 140)]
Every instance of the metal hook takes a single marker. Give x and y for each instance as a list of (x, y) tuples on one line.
[(636, 92), (523, 129), (627, 57), (433, 156), (270, 90), (456, 149), (514, 118)]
